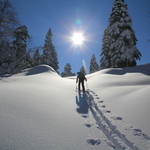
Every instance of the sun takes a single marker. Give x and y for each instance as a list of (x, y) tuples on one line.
[(77, 38)]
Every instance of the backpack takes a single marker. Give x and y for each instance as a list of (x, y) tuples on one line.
[(81, 76)]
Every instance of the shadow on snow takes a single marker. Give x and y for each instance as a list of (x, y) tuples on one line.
[(83, 101), (144, 69)]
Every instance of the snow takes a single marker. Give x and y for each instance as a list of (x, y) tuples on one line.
[(38, 110)]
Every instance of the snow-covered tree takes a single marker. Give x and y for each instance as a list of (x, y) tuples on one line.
[(93, 64), (8, 20), (20, 45), (105, 60), (28, 61), (49, 54), (36, 58), (7, 56), (54, 60), (83, 70), (67, 71), (119, 41), (20, 42)]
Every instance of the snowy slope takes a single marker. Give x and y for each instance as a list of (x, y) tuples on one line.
[(40, 110)]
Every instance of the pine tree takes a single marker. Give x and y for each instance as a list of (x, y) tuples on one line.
[(54, 60), (93, 64), (105, 60), (28, 61), (67, 71), (49, 54), (119, 41), (36, 58), (20, 45), (82, 69)]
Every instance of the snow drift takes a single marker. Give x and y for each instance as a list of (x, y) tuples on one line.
[(39, 110)]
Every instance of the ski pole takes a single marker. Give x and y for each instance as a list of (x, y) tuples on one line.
[(87, 85), (76, 86)]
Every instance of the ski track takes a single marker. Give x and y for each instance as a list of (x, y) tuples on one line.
[(117, 140)]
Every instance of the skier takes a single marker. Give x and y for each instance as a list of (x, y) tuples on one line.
[(81, 79)]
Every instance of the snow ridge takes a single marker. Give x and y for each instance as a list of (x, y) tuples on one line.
[(39, 69), (117, 138)]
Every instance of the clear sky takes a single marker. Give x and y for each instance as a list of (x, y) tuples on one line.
[(90, 17)]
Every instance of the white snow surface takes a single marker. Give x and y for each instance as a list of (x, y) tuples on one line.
[(39, 110)]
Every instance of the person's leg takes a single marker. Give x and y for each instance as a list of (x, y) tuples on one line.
[(83, 86), (79, 85)]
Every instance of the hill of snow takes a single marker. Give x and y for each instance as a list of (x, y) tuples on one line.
[(39, 110)]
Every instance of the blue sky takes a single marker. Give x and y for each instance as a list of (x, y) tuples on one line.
[(90, 17)]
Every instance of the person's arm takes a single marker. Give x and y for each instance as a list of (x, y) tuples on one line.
[(85, 78)]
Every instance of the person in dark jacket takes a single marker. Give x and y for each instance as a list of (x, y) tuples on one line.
[(81, 79)]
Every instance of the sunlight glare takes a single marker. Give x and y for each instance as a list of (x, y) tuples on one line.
[(77, 38)]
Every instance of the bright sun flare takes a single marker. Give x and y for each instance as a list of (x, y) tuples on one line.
[(77, 38)]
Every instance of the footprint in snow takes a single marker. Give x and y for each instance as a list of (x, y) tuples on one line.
[(98, 127), (84, 116), (100, 101), (146, 136), (106, 111), (103, 106), (117, 118), (92, 91), (93, 141), (139, 132), (88, 125)]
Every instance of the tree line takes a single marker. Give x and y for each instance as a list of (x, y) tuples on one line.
[(15, 53), (93, 68), (118, 44)]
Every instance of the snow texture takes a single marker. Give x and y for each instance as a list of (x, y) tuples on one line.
[(41, 110)]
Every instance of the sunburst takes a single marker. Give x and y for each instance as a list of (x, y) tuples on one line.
[(77, 38)]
